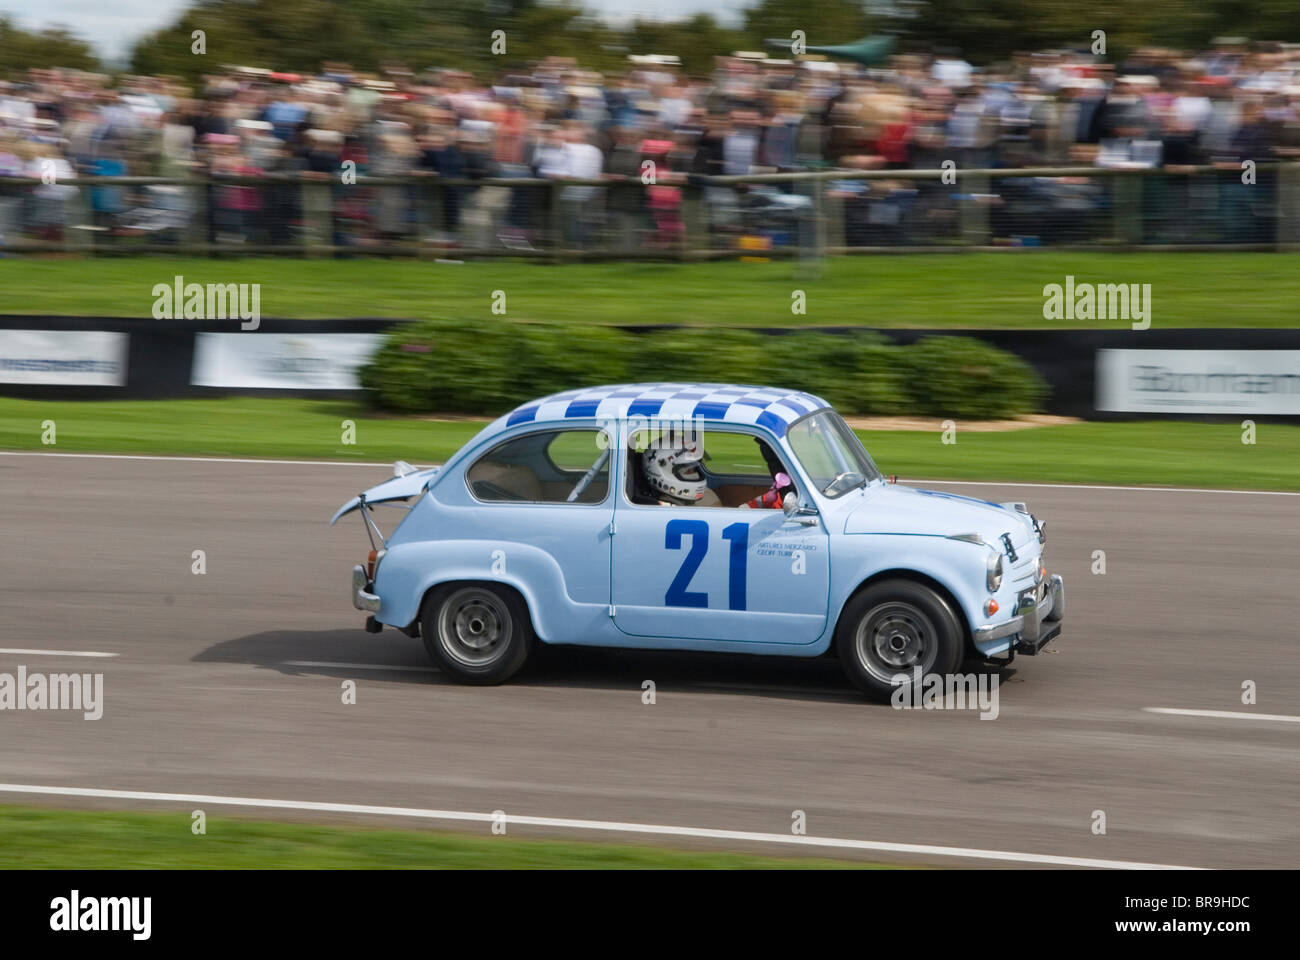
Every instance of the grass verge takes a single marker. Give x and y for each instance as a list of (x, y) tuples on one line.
[(32, 838), (966, 290), (1171, 453)]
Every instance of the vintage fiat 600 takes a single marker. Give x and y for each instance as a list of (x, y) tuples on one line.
[(703, 517)]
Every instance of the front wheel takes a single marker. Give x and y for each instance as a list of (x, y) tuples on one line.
[(478, 633), (892, 629)]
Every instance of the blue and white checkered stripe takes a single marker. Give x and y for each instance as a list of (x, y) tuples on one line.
[(774, 409)]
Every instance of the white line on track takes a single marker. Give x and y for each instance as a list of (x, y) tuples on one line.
[(1224, 714), (357, 666), (133, 456), (56, 653), (1102, 486), (601, 825), (388, 464)]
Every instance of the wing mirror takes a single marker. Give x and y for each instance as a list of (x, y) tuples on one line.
[(796, 511)]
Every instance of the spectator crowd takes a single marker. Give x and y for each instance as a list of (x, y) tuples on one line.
[(632, 141)]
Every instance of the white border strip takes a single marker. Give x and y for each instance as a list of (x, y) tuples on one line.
[(1101, 486), (601, 825), (388, 464), (142, 456), (1223, 714), (56, 653)]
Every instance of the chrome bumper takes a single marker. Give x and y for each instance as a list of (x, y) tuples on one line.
[(361, 598), (1037, 620)]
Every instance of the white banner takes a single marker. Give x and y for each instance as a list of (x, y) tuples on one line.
[(1199, 381), (64, 358), (282, 361)]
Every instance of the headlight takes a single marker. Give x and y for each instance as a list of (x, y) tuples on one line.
[(994, 567)]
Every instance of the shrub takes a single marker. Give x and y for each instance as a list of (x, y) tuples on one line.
[(961, 377), (453, 366), (700, 355), (548, 359), (855, 372), (447, 366)]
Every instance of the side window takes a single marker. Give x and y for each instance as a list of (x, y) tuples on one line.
[(553, 466), (705, 468)]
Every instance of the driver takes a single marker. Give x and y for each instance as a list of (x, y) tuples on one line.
[(671, 468), (782, 487)]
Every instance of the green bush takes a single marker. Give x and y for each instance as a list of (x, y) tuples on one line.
[(451, 366), (701, 356), (855, 372), (961, 377), (446, 366), (548, 359)]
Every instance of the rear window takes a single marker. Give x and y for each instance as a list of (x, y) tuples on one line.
[(553, 466)]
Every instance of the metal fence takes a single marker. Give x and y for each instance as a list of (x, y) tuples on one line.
[(775, 215)]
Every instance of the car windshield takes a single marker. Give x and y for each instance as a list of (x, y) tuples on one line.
[(831, 453)]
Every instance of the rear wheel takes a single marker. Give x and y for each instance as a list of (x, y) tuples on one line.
[(477, 632), (892, 629)]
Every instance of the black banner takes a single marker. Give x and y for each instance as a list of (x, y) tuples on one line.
[(916, 910)]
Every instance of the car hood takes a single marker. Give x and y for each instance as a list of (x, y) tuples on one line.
[(889, 508), (399, 488)]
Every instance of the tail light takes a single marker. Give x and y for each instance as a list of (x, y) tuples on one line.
[(371, 560)]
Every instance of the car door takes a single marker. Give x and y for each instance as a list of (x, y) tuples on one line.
[(547, 489), (717, 573)]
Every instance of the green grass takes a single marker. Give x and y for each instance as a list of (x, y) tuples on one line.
[(1157, 453), (279, 428), (1146, 452), (91, 840), (972, 290)]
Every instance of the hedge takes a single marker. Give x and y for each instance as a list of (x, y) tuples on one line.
[(469, 367)]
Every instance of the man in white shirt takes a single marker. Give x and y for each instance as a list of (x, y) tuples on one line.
[(586, 162), (551, 154), (951, 71), (582, 204)]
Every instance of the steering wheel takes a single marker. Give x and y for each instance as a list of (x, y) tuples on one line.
[(838, 478)]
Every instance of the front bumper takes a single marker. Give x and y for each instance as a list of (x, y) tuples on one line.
[(362, 599), (1036, 620)]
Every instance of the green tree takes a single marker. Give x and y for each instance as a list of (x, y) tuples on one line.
[(697, 40), (822, 21), (21, 50)]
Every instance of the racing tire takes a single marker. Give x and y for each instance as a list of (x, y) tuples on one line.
[(891, 628), (478, 633)]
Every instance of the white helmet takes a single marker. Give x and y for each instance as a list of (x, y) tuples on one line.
[(672, 468)]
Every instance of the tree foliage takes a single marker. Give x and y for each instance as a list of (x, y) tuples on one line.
[(299, 35), (21, 50)]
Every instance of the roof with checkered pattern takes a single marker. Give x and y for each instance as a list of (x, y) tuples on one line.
[(770, 407)]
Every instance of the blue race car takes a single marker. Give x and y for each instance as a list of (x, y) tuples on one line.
[(710, 517)]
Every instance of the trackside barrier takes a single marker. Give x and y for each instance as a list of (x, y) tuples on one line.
[(309, 358), (680, 216)]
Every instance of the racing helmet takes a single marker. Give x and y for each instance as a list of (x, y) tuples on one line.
[(671, 466)]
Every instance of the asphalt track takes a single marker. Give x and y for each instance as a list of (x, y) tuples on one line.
[(228, 685)]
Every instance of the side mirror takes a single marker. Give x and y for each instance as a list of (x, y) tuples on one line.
[(796, 511)]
